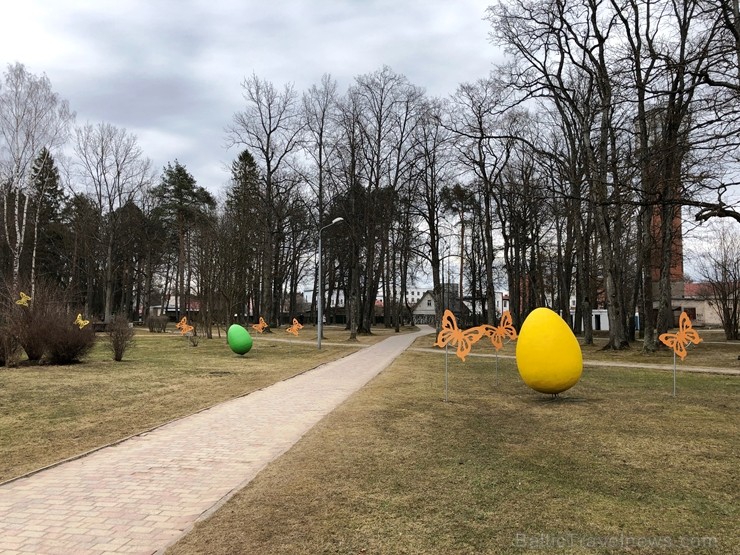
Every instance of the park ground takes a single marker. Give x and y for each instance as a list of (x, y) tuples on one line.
[(616, 464)]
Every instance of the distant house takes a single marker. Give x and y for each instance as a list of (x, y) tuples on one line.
[(699, 304), (193, 308), (502, 301), (424, 309), (599, 319)]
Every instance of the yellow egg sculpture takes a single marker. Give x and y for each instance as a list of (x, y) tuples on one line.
[(548, 355)]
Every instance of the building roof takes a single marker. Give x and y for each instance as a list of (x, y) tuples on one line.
[(697, 290)]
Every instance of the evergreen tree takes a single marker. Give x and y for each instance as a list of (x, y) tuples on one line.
[(49, 202), (183, 204), (246, 229)]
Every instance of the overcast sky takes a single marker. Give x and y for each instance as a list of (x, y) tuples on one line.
[(170, 71)]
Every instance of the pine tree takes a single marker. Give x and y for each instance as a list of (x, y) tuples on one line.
[(246, 228), (49, 201), (184, 205)]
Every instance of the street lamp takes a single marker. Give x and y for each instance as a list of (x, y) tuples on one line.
[(320, 291)]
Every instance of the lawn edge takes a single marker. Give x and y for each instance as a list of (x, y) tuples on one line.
[(161, 425)]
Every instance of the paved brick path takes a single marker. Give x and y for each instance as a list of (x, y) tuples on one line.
[(143, 494)]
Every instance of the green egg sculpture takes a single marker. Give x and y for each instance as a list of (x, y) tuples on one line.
[(238, 339)]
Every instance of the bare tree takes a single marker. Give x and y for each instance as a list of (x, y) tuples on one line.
[(319, 112), (271, 127), (483, 148), (389, 114), (565, 57), (33, 118), (719, 266), (433, 161), (113, 166)]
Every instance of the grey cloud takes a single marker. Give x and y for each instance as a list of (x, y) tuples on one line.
[(171, 71)]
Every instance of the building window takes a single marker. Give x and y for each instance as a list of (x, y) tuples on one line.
[(429, 302)]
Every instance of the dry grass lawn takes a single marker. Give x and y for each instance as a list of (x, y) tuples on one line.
[(616, 464), (712, 352), (49, 413)]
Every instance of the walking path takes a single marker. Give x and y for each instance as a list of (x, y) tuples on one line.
[(142, 495)]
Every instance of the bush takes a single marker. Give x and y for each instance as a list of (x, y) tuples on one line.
[(31, 325), (42, 326), (120, 336), (65, 342), (9, 345), (193, 337), (157, 324)]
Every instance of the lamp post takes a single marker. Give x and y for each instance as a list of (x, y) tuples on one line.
[(320, 290)]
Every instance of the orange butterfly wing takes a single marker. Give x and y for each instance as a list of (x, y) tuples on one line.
[(294, 328), (687, 331), (468, 338), (183, 326), (506, 326), (679, 341), (497, 337), (451, 334), (503, 330), (673, 341)]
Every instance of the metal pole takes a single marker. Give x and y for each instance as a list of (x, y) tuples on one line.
[(320, 303), (446, 353), (674, 373), (320, 300)]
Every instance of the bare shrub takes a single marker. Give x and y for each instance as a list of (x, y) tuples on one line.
[(193, 337), (9, 345), (120, 336), (30, 324), (30, 321), (39, 321), (66, 342), (157, 324)]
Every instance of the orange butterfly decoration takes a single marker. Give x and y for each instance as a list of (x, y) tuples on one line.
[(504, 329), (183, 326), (679, 341), (295, 327), (452, 335), (23, 301), (261, 326)]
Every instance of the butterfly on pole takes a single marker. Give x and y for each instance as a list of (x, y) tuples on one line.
[(261, 326), (23, 301), (680, 340), (295, 327), (183, 326), (497, 334), (454, 336), (80, 322)]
